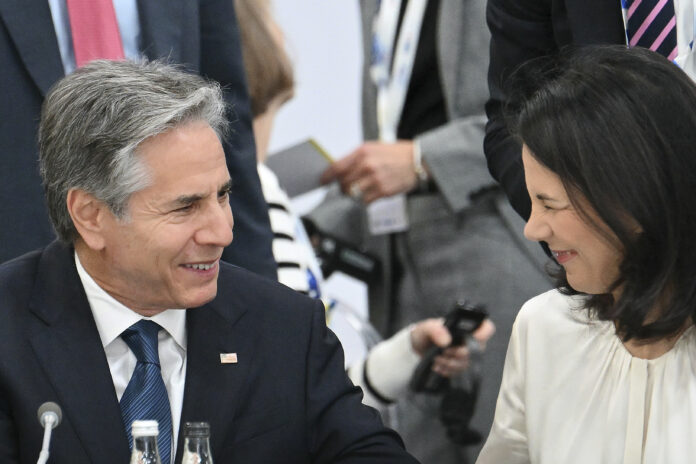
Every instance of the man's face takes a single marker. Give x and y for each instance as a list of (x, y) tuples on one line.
[(165, 253)]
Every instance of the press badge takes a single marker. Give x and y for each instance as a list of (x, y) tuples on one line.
[(387, 215), (392, 77)]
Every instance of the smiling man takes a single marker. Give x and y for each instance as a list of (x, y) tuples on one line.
[(132, 315), (166, 253)]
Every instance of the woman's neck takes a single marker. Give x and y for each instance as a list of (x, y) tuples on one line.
[(655, 348)]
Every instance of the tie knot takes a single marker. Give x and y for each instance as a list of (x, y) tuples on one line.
[(141, 338)]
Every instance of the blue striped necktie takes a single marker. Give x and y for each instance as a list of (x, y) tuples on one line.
[(146, 397), (652, 24)]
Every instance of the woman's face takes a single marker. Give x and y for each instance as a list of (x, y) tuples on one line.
[(591, 260)]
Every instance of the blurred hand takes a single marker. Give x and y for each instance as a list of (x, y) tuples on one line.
[(455, 359), (375, 170)]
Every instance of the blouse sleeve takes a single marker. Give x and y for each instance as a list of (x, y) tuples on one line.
[(507, 441)]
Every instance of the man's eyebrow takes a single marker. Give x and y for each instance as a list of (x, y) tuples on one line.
[(188, 199), (226, 187), (194, 197)]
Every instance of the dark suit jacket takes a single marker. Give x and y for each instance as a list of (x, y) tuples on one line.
[(287, 400), (526, 29), (201, 34)]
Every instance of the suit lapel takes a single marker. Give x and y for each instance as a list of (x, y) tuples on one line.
[(212, 388), (160, 29), (30, 25), (70, 350)]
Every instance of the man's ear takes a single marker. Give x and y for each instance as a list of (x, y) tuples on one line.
[(88, 215)]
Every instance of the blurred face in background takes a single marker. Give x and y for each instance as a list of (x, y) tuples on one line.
[(268, 68)]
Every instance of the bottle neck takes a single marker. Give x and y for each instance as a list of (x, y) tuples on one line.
[(145, 448), (199, 447)]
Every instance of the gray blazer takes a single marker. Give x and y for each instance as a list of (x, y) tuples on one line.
[(453, 152)]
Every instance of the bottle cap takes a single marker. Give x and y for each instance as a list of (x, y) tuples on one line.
[(197, 429), (144, 428)]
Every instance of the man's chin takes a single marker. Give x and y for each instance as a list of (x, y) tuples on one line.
[(204, 297)]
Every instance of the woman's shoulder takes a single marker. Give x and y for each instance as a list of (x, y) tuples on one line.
[(552, 311), (552, 329), (551, 303)]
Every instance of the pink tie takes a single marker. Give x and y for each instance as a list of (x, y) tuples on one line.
[(94, 30), (652, 24)]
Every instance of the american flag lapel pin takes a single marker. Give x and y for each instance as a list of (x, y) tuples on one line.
[(228, 358)]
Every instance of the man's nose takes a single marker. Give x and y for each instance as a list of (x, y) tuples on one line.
[(217, 226)]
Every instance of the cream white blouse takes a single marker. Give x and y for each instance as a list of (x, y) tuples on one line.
[(572, 393)]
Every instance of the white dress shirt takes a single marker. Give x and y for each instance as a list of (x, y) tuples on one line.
[(112, 318), (685, 14), (573, 394)]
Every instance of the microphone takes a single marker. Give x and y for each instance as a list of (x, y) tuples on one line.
[(49, 415)]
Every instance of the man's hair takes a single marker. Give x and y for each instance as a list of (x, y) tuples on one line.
[(618, 127), (268, 67), (93, 121)]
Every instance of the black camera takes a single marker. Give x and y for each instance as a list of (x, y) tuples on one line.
[(458, 404), (461, 321), (335, 254)]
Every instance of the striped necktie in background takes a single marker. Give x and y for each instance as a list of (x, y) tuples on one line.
[(652, 24)]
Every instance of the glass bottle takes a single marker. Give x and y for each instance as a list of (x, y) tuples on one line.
[(145, 442), (197, 443)]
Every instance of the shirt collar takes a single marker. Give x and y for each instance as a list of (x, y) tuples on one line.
[(112, 317)]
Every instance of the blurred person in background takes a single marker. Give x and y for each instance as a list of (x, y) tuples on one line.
[(601, 369), (418, 194), (386, 371)]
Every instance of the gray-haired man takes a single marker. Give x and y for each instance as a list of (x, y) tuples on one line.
[(137, 188)]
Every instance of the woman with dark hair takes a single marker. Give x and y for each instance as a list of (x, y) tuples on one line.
[(603, 369)]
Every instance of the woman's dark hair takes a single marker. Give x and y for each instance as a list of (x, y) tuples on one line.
[(618, 126)]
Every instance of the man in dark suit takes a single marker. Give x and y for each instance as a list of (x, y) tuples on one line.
[(138, 192), (522, 30), (201, 35)]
